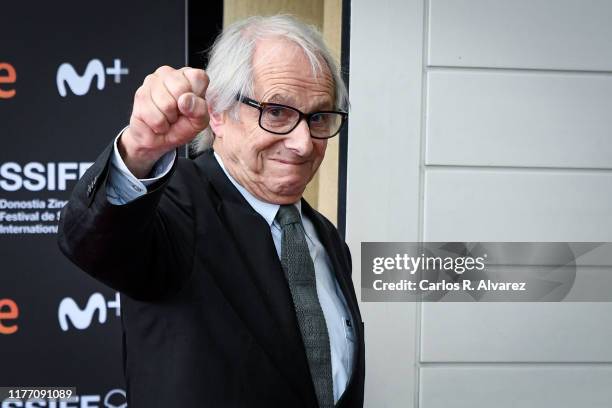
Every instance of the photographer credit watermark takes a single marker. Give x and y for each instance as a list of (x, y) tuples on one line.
[(486, 271)]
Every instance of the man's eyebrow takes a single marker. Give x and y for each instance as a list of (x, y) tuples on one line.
[(324, 105), (288, 100), (282, 99)]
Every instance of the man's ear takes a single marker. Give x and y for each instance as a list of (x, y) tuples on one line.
[(216, 122)]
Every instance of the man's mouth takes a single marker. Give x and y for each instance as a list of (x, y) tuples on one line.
[(290, 162)]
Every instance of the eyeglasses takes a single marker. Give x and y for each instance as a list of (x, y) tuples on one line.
[(282, 119)]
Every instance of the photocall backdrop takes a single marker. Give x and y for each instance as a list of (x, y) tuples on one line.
[(68, 72)]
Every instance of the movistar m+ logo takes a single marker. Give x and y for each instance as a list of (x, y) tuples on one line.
[(94, 72)]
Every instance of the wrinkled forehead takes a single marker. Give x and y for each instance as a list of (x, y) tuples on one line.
[(282, 69)]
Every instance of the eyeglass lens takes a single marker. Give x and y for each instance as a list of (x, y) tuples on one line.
[(279, 119)]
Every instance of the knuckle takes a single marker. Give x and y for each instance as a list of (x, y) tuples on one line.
[(205, 81), (147, 80), (180, 82), (144, 89), (198, 74), (139, 92), (163, 69), (205, 77)]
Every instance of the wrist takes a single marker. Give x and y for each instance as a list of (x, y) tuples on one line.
[(138, 160)]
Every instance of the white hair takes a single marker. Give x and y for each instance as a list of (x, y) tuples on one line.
[(230, 64)]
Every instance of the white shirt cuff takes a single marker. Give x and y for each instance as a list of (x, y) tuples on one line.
[(123, 186)]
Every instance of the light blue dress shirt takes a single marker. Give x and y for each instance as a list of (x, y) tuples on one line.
[(123, 187)]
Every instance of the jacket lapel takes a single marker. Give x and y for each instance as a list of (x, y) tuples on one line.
[(263, 301)]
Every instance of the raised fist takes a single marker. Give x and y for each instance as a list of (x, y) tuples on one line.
[(169, 110)]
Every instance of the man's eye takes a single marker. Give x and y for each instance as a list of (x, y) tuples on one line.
[(318, 118), (276, 112)]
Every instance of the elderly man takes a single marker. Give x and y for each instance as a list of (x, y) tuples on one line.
[(236, 292)]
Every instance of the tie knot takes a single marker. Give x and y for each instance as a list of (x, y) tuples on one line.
[(288, 214)]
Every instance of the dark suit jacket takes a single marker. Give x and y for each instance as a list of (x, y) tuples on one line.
[(207, 315)]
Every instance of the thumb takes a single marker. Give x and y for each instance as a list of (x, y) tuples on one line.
[(195, 109), (186, 103)]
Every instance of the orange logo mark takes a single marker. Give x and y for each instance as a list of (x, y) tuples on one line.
[(7, 78), (8, 311)]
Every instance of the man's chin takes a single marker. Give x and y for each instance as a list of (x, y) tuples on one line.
[(288, 193)]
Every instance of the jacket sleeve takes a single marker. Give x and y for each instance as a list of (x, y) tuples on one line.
[(144, 248)]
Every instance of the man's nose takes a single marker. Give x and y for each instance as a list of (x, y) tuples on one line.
[(299, 139)]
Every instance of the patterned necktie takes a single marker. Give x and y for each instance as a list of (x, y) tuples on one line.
[(300, 273)]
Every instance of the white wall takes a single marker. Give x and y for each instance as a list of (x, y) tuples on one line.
[(482, 120)]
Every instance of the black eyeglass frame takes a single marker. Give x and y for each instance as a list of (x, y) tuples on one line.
[(262, 105)]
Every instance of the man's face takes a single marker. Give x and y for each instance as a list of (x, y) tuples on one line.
[(276, 168)]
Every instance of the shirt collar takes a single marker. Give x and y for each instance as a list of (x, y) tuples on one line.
[(266, 210)]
